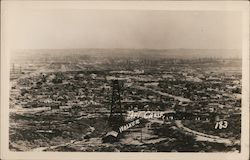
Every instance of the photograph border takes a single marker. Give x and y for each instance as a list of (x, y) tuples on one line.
[(242, 6)]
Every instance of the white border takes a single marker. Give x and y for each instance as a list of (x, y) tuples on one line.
[(124, 5)]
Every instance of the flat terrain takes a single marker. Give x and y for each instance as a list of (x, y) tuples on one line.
[(65, 105)]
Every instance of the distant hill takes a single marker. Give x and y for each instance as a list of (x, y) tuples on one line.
[(166, 53)]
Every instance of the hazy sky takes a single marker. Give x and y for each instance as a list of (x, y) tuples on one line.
[(43, 29)]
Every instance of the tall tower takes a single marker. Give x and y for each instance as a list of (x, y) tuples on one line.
[(13, 68), (116, 118)]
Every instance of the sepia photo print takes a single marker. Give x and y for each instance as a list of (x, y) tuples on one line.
[(94, 80)]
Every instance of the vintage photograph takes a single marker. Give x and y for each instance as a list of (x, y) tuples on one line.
[(99, 80)]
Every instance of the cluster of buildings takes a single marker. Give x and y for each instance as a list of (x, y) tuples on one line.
[(156, 87)]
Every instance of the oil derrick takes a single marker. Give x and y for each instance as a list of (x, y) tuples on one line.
[(116, 118), (13, 68)]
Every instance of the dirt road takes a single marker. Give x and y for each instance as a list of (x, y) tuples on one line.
[(205, 137), (181, 99)]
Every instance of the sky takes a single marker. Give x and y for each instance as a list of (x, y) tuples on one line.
[(60, 28)]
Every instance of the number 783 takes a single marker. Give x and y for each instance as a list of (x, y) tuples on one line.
[(221, 125)]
